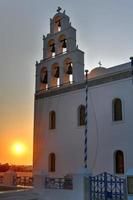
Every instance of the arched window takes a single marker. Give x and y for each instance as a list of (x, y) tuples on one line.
[(117, 109), (63, 44), (57, 24), (51, 48), (52, 120), (68, 69), (43, 79), (55, 75), (81, 115), (51, 162), (119, 162), (43, 75)]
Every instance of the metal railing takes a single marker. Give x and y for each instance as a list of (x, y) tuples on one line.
[(106, 186), (59, 183), (23, 181), (19, 180)]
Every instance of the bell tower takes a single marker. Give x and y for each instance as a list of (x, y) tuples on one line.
[(63, 62)]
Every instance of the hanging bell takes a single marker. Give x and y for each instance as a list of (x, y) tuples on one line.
[(44, 78), (53, 48), (70, 70), (64, 44), (57, 73), (59, 24)]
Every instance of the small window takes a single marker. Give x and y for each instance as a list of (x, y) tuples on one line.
[(52, 120), (81, 115), (117, 110), (119, 162), (51, 162)]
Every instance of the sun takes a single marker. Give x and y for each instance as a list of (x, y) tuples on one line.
[(18, 148)]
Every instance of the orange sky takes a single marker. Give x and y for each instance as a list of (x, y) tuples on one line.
[(16, 126), (6, 154)]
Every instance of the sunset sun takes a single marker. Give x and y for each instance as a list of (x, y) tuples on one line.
[(18, 148)]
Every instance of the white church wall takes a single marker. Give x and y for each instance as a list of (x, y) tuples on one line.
[(61, 141), (112, 136), (104, 135)]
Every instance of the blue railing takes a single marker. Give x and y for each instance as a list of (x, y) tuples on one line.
[(106, 186)]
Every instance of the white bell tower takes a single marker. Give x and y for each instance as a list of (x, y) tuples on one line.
[(63, 62)]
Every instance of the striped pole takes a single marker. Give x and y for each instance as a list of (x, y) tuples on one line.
[(86, 130), (131, 58)]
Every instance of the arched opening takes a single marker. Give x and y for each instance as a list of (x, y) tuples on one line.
[(43, 78), (57, 24), (62, 44), (117, 109), (81, 115), (51, 162), (68, 71), (52, 120), (55, 75), (51, 48), (119, 162)]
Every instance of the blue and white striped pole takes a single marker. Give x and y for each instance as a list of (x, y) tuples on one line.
[(131, 58), (86, 128)]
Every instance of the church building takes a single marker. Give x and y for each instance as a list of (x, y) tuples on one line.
[(80, 119)]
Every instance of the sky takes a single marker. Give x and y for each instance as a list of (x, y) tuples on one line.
[(104, 33)]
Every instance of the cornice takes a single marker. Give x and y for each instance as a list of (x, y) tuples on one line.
[(77, 86)]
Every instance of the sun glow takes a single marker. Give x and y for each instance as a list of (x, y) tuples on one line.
[(18, 148)]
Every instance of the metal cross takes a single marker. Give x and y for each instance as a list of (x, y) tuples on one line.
[(100, 64), (59, 9)]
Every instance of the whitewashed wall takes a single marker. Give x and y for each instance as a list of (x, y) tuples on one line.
[(67, 140)]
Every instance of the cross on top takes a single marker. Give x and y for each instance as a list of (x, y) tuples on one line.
[(59, 9), (100, 64)]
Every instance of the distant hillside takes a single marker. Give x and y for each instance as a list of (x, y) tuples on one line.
[(17, 168)]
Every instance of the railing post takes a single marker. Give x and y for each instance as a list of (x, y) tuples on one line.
[(105, 185), (9, 178), (90, 188), (80, 184), (39, 180), (129, 185), (125, 189)]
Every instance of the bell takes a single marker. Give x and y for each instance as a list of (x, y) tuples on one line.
[(59, 24), (70, 70), (44, 78), (57, 73), (64, 44), (53, 48)]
